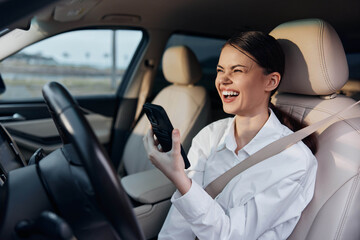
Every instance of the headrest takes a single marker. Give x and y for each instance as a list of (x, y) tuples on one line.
[(181, 66), (315, 61)]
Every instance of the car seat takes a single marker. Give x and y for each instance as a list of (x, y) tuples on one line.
[(187, 106), (315, 70)]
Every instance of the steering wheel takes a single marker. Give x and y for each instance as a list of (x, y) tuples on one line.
[(74, 129)]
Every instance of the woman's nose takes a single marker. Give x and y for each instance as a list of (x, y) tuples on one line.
[(225, 79)]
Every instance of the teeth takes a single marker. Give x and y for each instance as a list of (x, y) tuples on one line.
[(230, 93)]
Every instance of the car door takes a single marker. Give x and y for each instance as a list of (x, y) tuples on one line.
[(91, 63)]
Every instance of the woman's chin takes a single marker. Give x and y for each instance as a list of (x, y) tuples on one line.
[(229, 110)]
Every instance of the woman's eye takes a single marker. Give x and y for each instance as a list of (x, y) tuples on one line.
[(238, 70), (219, 70)]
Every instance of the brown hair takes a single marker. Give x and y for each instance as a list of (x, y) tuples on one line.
[(267, 53)]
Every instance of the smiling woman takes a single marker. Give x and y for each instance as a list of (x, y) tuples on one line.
[(241, 83), (261, 64), (266, 201)]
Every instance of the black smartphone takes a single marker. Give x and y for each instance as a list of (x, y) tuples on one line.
[(162, 128)]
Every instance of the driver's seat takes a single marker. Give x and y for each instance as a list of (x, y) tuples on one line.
[(316, 68)]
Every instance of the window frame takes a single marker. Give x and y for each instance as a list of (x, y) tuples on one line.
[(119, 91)]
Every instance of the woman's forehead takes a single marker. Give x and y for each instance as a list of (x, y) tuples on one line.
[(232, 56)]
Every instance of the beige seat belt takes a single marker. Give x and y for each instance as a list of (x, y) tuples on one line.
[(216, 186), (144, 92), (144, 89)]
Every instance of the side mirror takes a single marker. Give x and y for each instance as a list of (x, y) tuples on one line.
[(2, 85)]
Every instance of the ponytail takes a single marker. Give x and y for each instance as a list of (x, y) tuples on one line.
[(295, 125)]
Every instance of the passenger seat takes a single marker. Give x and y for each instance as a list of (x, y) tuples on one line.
[(187, 105), (315, 70)]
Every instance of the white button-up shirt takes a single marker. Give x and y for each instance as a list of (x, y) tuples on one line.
[(263, 202)]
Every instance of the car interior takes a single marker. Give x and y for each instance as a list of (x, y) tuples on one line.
[(78, 161)]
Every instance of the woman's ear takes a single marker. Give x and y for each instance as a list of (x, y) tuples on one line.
[(273, 81)]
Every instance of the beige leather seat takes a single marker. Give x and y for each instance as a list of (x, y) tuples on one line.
[(316, 68), (187, 105)]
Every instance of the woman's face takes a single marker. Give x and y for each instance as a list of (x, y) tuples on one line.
[(241, 83)]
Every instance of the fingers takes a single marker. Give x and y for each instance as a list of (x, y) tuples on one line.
[(145, 141), (170, 163), (148, 140), (153, 147), (151, 144), (176, 145), (156, 142)]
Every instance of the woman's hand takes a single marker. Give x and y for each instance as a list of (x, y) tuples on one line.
[(170, 163)]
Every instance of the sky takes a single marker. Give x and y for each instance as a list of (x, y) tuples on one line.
[(89, 47)]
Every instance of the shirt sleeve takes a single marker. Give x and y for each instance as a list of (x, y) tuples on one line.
[(271, 214), (175, 225)]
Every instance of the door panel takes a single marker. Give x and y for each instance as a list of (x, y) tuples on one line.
[(33, 110), (26, 111), (35, 129), (31, 135)]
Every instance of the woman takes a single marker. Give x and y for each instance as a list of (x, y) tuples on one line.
[(263, 202)]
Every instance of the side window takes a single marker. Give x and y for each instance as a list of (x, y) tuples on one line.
[(87, 62), (207, 51), (352, 87)]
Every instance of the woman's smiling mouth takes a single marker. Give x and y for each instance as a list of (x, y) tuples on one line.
[(229, 95)]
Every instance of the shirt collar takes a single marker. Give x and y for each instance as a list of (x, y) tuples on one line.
[(271, 131), (228, 138)]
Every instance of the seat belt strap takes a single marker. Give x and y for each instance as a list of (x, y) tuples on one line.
[(146, 85), (216, 186)]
